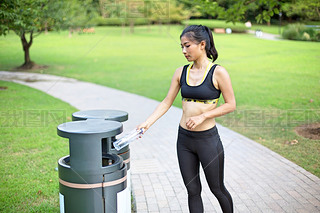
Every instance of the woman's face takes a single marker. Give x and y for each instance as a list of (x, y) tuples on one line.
[(191, 50)]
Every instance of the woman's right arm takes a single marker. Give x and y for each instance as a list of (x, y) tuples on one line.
[(167, 102)]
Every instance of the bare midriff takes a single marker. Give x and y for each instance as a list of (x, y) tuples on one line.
[(191, 109)]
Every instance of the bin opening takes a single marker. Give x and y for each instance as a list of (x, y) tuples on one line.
[(66, 160), (104, 143), (108, 160)]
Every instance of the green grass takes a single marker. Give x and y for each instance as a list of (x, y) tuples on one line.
[(110, 57), (30, 149), (273, 81), (273, 29)]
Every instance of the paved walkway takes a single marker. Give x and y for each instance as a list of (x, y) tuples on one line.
[(258, 179), (264, 35)]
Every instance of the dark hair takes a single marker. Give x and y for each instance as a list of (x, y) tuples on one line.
[(200, 33)]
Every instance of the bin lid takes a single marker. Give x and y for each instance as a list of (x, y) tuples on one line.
[(114, 115), (92, 126)]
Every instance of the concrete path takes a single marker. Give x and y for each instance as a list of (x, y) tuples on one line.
[(258, 179), (264, 35)]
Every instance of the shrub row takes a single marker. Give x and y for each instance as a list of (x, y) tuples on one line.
[(300, 32), (212, 24), (291, 31), (100, 21)]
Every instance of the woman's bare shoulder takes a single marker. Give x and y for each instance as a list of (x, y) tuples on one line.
[(179, 69), (178, 72), (220, 70)]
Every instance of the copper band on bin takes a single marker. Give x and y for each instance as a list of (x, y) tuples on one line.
[(123, 153), (127, 161), (114, 182), (79, 185), (92, 186)]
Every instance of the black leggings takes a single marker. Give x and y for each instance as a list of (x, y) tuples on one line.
[(203, 147)]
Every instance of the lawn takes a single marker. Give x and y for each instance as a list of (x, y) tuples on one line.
[(276, 83), (30, 149)]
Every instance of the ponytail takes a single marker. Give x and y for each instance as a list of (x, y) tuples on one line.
[(211, 51)]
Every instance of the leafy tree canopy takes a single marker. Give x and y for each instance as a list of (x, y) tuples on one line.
[(235, 10), (262, 10), (31, 17), (303, 9)]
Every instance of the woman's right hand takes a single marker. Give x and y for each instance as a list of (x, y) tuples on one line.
[(144, 126)]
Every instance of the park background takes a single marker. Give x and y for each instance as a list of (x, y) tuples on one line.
[(134, 46)]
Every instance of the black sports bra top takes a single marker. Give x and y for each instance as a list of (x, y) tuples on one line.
[(204, 92)]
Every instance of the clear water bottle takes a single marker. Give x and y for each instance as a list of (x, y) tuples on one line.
[(127, 139)]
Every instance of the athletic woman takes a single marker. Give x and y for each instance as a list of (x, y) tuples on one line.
[(201, 84)]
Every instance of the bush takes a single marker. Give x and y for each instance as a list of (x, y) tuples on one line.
[(290, 32), (300, 32), (100, 21), (212, 23)]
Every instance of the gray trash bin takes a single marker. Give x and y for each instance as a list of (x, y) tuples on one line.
[(90, 181), (107, 145), (113, 115), (105, 114)]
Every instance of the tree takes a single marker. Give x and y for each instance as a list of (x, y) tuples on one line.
[(29, 18), (303, 9), (25, 18), (78, 14), (171, 11), (235, 10)]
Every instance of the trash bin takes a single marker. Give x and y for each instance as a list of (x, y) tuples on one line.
[(90, 181), (107, 144), (114, 115)]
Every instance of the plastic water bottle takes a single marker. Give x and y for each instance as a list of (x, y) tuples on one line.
[(127, 139)]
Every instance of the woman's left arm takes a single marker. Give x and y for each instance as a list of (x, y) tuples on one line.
[(224, 82)]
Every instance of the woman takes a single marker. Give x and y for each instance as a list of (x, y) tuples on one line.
[(201, 84)]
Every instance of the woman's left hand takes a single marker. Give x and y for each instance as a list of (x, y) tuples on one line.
[(194, 121)]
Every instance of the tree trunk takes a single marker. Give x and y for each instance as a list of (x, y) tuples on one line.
[(28, 64), (149, 26), (123, 28), (101, 7), (70, 32), (46, 27), (131, 26), (160, 26)]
